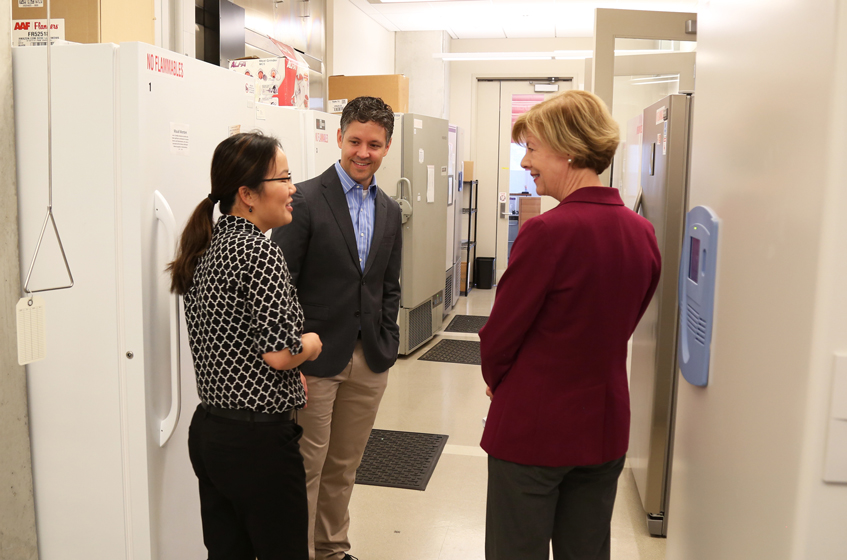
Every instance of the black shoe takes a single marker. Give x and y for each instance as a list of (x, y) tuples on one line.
[(348, 557)]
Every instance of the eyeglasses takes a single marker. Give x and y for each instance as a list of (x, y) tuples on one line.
[(282, 179)]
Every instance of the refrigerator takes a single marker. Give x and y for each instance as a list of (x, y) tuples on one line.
[(134, 128), (414, 172), (665, 156)]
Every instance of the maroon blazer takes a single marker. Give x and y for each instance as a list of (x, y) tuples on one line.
[(554, 348)]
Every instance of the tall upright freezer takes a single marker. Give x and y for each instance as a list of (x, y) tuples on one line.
[(134, 128), (415, 171), (665, 155)]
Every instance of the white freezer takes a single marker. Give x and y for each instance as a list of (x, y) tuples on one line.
[(104, 487)]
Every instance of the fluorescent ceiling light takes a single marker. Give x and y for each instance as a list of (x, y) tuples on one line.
[(656, 82), (671, 77), (520, 55), (527, 55), (414, 1)]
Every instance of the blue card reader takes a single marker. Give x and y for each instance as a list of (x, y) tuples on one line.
[(697, 294)]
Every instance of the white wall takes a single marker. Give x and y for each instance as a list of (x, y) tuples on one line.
[(429, 79), (767, 157), (356, 44)]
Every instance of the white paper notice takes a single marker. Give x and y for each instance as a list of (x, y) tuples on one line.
[(418, 123), (430, 183), (30, 3), (234, 129), (179, 139), (32, 337)]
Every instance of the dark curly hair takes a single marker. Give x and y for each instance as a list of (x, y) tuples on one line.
[(367, 109)]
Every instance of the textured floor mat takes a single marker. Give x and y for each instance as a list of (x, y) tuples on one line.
[(454, 351), (400, 459), (466, 324)]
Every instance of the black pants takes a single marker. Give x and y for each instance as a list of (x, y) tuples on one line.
[(530, 506), (252, 488)]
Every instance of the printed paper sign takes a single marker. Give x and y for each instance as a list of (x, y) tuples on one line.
[(234, 129), (179, 139), (503, 197), (337, 105), (418, 123), (30, 3), (33, 32)]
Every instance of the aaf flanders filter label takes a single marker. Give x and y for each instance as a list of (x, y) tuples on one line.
[(33, 32)]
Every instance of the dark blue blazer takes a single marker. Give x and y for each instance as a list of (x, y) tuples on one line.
[(337, 297)]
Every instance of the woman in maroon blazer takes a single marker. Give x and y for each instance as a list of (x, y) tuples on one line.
[(554, 349)]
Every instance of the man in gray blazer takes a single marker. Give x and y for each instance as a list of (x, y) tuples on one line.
[(343, 251)]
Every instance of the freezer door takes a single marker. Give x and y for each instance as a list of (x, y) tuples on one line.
[(664, 181), (77, 418), (171, 122), (424, 164), (286, 125), (320, 141)]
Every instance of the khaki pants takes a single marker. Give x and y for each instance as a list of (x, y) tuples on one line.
[(336, 425)]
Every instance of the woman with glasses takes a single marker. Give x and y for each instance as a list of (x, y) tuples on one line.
[(245, 332)]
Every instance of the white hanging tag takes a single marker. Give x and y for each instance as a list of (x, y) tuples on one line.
[(32, 331)]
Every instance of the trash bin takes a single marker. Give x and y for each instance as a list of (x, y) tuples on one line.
[(484, 273)]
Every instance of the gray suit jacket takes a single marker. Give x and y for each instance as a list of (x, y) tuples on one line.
[(337, 297)]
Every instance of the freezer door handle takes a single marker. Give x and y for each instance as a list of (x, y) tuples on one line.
[(405, 203), (168, 425)]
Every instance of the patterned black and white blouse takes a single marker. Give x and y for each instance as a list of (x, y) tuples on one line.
[(241, 305)]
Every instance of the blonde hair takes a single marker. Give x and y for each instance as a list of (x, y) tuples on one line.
[(575, 123)]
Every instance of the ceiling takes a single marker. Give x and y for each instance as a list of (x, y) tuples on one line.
[(501, 19)]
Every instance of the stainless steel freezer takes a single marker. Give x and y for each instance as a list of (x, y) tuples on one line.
[(654, 372)]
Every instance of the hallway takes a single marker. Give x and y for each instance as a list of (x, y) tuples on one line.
[(447, 521)]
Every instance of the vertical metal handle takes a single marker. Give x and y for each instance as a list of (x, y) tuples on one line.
[(405, 203), (168, 425)]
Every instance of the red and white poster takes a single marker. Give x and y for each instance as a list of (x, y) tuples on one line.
[(282, 81)]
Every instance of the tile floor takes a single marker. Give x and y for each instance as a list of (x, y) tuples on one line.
[(447, 521)]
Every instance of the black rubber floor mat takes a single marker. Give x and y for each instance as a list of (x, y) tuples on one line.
[(400, 459), (466, 324), (454, 351)]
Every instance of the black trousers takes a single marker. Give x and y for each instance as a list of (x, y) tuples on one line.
[(252, 488), (528, 507)]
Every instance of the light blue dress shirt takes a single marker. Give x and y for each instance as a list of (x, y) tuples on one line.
[(361, 203)]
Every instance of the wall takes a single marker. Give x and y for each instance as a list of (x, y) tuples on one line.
[(17, 510), (356, 44), (768, 159), (429, 78)]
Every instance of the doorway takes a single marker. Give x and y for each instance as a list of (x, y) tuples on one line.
[(499, 220)]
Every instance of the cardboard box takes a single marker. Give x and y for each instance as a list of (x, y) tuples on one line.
[(467, 171), (282, 81), (391, 88)]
